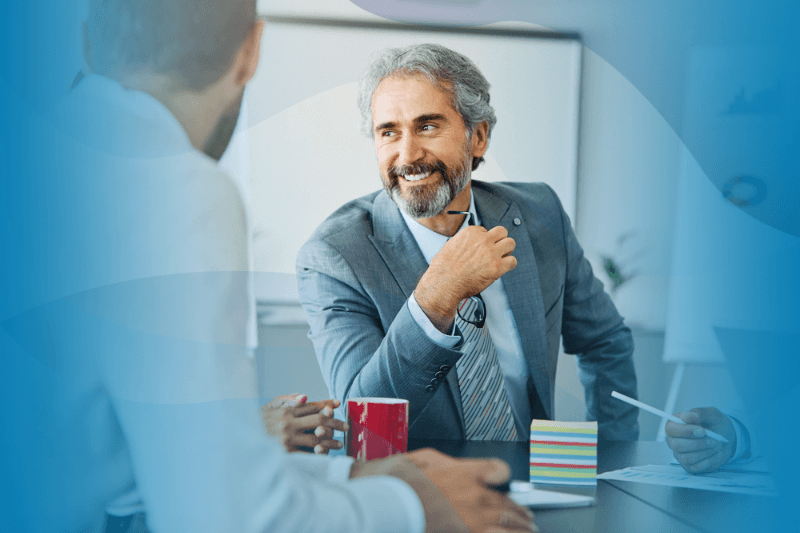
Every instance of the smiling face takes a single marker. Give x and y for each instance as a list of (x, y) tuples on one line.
[(423, 147)]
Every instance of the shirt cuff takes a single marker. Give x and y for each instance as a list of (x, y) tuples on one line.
[(407, 515), (373, 492), (339, 469), (437, 337), (322, 467), (742, 440)]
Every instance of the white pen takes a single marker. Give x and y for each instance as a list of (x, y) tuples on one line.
[(662, 414)]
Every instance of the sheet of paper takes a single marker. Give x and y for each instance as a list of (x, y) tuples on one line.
[(757, 465), (525, 494), (674, 476)]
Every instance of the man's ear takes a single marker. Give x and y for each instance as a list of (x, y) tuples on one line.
[(247, 59), (480, 139)]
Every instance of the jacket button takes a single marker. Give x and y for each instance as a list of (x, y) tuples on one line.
[(440, 375), (430, 388), (517, 222), (444, 368), (434, 381)]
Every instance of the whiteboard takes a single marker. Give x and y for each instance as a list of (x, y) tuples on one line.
[(303, 155)]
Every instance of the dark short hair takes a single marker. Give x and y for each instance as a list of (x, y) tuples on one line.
[(192, 41), (447, 69)]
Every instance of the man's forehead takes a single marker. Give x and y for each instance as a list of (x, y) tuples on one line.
[(408, 97)]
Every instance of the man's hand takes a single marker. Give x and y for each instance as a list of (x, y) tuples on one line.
[(297, 423), (471, 261), (455, 493), (695, 451)]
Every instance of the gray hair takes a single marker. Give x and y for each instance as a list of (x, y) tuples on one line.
[(193, 42), (448, 70)]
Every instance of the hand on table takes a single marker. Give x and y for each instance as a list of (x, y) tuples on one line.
[(297, 423), (692, 448), (455, 493), (468, 263)]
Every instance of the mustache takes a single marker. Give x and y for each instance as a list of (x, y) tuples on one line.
[(418, 168)]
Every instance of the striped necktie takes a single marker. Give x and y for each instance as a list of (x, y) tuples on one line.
[(487, 411)]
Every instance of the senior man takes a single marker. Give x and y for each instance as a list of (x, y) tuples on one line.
[(413, 291)]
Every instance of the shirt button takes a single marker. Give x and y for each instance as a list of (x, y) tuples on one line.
[(444, 368), (430, 388), (517, 222), (440, 375)]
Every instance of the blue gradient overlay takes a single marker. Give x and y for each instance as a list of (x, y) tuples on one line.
[(59, 233)]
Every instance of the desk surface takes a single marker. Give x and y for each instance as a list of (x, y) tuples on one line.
[(708, 511), (623, 506)]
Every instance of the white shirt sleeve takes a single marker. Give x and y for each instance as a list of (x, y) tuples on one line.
[(337, 470), (422, 320), (334, 469)]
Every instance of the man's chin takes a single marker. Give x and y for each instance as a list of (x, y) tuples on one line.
[(421, 204), (423, 190)]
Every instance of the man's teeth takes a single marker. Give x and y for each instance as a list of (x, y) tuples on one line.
[(416, 177)]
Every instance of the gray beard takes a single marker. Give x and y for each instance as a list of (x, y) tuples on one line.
[(427, 203)]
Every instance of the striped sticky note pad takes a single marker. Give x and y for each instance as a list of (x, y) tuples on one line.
[(564, 452)]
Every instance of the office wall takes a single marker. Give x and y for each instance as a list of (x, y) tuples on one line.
[(627, 189)]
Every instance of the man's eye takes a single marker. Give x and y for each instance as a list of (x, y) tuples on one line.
[(428, 127), (387, 133)]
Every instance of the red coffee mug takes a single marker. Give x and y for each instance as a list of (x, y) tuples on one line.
[(378, 427)]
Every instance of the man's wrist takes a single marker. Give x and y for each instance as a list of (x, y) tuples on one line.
[(441, 322), (448, 339), (439, 309)]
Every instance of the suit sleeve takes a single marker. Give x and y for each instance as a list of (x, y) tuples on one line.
[(593, 329), (357, 356)]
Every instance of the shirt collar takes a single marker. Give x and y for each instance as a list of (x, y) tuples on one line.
[(430, 242)]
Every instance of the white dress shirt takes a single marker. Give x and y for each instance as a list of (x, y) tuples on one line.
[(153, 402), (499, 321)]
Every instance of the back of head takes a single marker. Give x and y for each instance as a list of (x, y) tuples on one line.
[(191, 42), (447, 69)]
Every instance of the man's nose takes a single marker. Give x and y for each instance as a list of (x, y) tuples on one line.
[(410, 150)]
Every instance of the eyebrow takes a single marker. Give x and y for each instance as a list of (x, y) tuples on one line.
[(419, 120)]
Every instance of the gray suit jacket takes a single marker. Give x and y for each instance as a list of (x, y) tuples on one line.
[(358, 269)]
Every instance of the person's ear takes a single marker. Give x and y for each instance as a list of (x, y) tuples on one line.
[(480, 139), (247, 59)]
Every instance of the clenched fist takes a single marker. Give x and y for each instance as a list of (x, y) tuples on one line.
[(470, 261)]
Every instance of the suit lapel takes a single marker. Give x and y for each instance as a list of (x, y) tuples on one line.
[(521, 285), (396, 245), (399, 250)]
